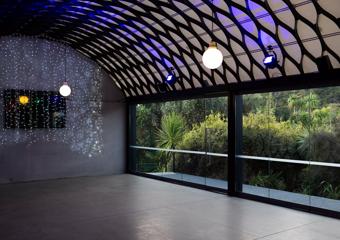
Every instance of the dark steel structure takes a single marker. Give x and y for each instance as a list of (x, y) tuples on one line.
[(138, 41)]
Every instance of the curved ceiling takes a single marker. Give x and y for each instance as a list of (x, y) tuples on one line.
[(137, 41)]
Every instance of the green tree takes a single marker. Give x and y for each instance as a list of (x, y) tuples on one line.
[(148, 117), (194, 111), (294, 102), (302, 107)]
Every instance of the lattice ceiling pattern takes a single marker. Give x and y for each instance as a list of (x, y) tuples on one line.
[(138, 41)]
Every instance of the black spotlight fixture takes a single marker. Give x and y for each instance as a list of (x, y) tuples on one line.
[(324, 64), (270, 60), (171, 78), (162, 87)]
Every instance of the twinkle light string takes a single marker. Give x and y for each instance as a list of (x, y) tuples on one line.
[(37, 64)]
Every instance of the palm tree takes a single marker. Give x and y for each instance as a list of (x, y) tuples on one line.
[(302, 107), (313, 101), (170, 135), (293, 102)]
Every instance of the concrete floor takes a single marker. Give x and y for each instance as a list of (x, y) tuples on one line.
[(130, 207)]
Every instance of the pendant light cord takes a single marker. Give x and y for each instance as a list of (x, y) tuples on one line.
[(65, 62), (212, 16), (212, 32)]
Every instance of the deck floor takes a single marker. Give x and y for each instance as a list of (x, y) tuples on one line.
[(131, 207)]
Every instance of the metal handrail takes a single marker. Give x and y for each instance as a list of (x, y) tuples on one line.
[(269, 159)]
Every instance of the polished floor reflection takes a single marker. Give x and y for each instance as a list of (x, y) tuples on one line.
[(131, 207)]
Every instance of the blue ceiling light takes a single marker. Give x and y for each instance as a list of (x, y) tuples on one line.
[(270, 60), (171, 77)]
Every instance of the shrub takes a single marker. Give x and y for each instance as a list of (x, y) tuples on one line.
[(270, 180), (210, 135), (263, 135), (329, 191)]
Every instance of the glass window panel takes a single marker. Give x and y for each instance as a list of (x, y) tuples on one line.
[(217, 172), (192, 167), (216, 134), (323, 144), (291, 146), (288, 125), (198, 126), (255, 143)]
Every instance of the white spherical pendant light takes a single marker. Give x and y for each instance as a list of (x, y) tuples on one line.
[(212, 58), (65, 90)]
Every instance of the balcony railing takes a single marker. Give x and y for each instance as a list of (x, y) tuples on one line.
[(297, 196), (246, 157)]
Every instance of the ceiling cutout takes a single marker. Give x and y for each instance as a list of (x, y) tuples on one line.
[(138, 41)]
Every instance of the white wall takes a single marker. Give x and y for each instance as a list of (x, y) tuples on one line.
[(93, 142)]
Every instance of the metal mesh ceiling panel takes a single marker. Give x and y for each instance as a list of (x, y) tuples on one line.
[(137, 41)]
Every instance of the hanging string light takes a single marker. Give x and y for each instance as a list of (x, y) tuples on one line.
[(46, 110), (212, 58), (65, 89)]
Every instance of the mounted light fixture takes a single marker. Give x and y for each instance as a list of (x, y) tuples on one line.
[(212, 57), (171, 77), (270, 60), (65, 89)]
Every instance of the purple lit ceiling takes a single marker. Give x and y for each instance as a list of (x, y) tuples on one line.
[(137, 41)]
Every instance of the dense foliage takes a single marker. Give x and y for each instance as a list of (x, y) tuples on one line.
[(297, 125)]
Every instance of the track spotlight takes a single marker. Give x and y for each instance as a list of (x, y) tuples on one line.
[(270, 60), (171, 77)]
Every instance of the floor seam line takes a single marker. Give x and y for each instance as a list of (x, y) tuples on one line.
[(286, 230)]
